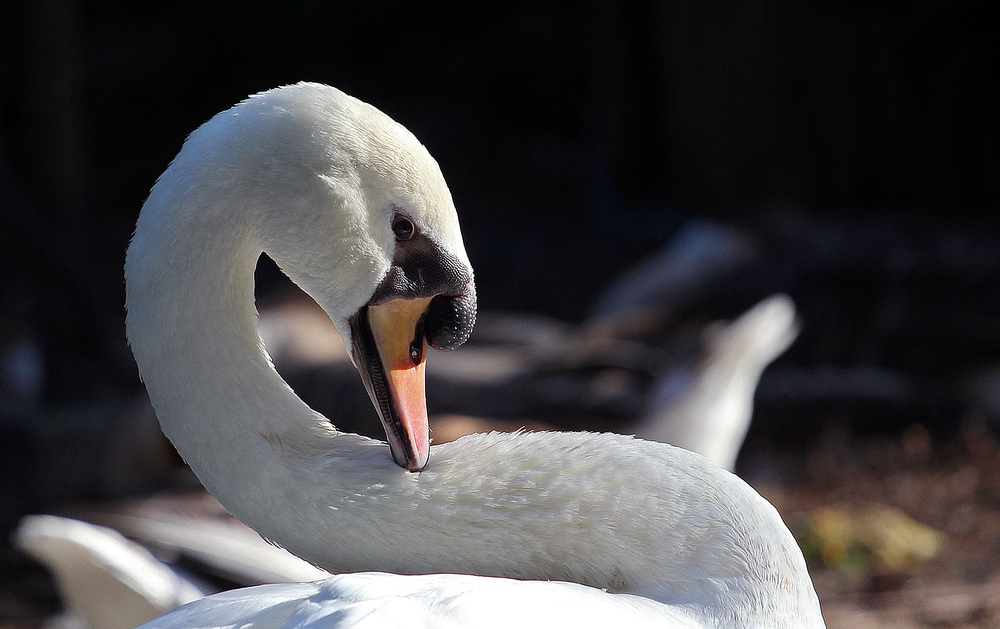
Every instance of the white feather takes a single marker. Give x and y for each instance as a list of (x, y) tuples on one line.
[(709, 412), (108, 581)]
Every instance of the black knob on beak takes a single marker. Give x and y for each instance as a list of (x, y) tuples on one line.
[(450, 319)]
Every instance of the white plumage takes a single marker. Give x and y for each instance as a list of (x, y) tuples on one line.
[(314, 177), (107, 581), (709, 412), (375, 600)]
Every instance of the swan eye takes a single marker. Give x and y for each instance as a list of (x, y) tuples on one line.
[(415, 354), (403, 228)]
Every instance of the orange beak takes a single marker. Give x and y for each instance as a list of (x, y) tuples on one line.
[(389, 350)]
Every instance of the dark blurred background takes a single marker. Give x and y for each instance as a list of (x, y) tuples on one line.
[(857, 143), (576, 137)]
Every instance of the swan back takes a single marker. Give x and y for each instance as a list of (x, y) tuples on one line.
[(605, 510)]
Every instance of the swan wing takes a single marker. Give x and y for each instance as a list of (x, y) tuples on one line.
[(376, 600)]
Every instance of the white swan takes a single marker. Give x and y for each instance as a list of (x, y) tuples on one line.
[(106, 581), (709, 412), (354, 209)]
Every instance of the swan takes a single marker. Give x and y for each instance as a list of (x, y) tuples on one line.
[(354, 209), (709, 411), (107, 581)]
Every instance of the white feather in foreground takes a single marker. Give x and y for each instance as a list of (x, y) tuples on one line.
[(377, 600)]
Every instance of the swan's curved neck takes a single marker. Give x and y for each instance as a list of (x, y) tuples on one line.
[(193, 329)]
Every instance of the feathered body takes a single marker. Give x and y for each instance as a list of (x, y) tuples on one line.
[(440, 601)]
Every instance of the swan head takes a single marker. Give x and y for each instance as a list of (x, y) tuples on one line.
[(354, 210)]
